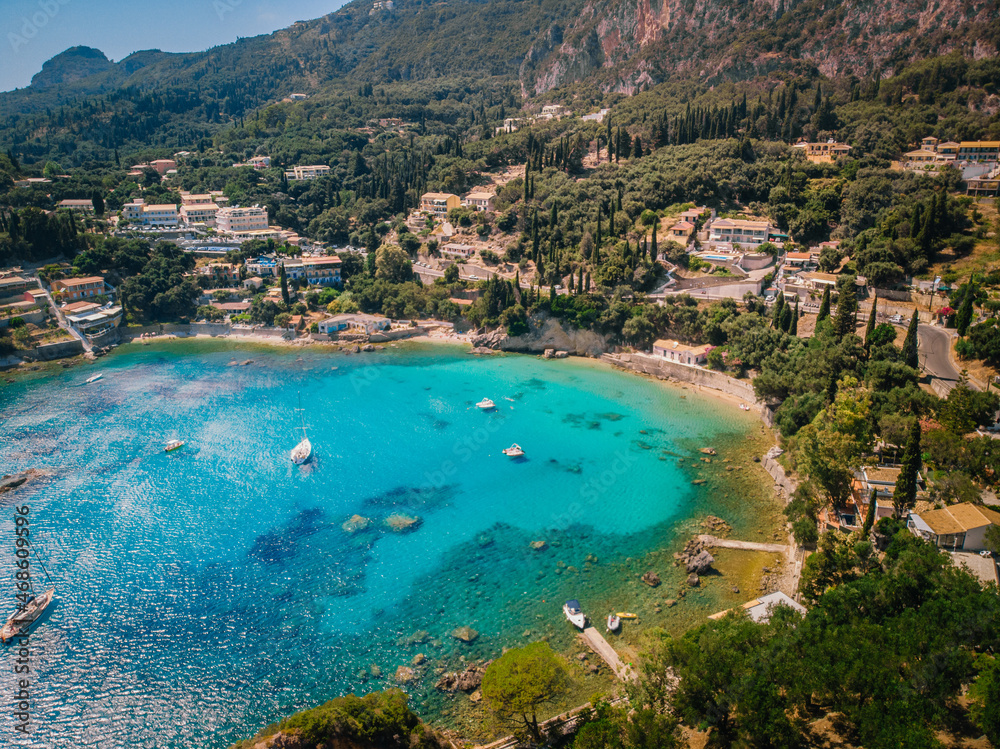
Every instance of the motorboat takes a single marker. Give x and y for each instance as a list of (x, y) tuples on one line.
[(19, 622), (173, 445), (575, 614), (486, 405), (626, 615), (514, 451), (614, 622), (94, 378)]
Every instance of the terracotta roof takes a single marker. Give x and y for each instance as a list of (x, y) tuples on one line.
[(80, 281)]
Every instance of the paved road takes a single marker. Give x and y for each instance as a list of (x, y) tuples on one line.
[(935, 345)]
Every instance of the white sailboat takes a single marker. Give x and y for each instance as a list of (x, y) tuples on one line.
[(30, 607), (302, 451)]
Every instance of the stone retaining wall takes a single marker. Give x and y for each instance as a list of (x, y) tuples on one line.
[(657, 367), (59, 350), (787, 485)]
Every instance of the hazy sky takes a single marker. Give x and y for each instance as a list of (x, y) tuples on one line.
[(32, 31)]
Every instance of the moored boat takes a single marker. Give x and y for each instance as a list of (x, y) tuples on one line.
[(626, 615), (486, 405), (302, 451), (94, 378), (514, 451), (575, 614), (19, 622), (614, 622), (173, 445)]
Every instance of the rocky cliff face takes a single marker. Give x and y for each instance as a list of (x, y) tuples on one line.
[(546, 333), (72, 65), (630, 44)]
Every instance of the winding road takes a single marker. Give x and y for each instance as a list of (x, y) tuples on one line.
[(935, 356)]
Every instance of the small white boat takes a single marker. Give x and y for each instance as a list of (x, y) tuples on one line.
[(614, 622), (575, 614), (486, 405), (514, 451), (21, 621), (302, 452), (94, 378), (173, 445)]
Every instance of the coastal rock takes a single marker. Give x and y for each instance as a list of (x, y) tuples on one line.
[(405, 674), (476, 697), (482, 351), (561, 355), (651, 579), (718, 526), (549, 353), (693, 580), (417, 638), (699, 482), (418, 659), (670, 603), (401, 523), (368, 348), (463, 681), (491, 340), (774, 453), (700, 563), (708, 450), (539, 545), (356, 523), (465, 634)]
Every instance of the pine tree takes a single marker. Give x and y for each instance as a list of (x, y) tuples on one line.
[(871, 325), (910, 347), (824, 306), (904, 496), (866, 529)]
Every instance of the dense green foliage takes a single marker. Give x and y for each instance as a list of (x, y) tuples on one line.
[(887, 645), (381, 720), (521, 681)]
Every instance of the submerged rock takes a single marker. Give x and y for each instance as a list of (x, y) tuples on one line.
[(651, 579), (356, 523), (465, 634), (405, 674), (708, 450), (539, 545), (693, 580), (401, 523)]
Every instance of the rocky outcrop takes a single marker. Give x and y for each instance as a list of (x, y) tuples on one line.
[(651, 579), (700, 563), (545, 333), (401, 523), (463, 681)]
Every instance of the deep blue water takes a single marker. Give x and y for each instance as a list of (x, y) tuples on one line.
[(205, 593)]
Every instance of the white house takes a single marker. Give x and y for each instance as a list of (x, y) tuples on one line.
[(241, 220), (961, 527), (299, 173), (679, 352), (355, 322)]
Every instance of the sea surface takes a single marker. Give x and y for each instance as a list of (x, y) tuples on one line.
[(205, 593)]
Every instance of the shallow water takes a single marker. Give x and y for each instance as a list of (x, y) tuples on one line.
[(205, 593)]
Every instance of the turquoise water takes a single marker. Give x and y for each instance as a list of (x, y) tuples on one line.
[(205, 593)]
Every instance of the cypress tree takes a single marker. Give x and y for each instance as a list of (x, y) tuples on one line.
[(904, 496), (910, 351), (284, 286), (653, 251), (579, 284), (871, 325), (870, 515), (597, 239), (824, 306), (779, 305), (847, 313), (793, 330), (786, 318), (964, 317)]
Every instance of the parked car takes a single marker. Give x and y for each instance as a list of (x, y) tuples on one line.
[(896, 319)]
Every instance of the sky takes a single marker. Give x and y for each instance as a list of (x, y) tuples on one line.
[(33, 31)]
